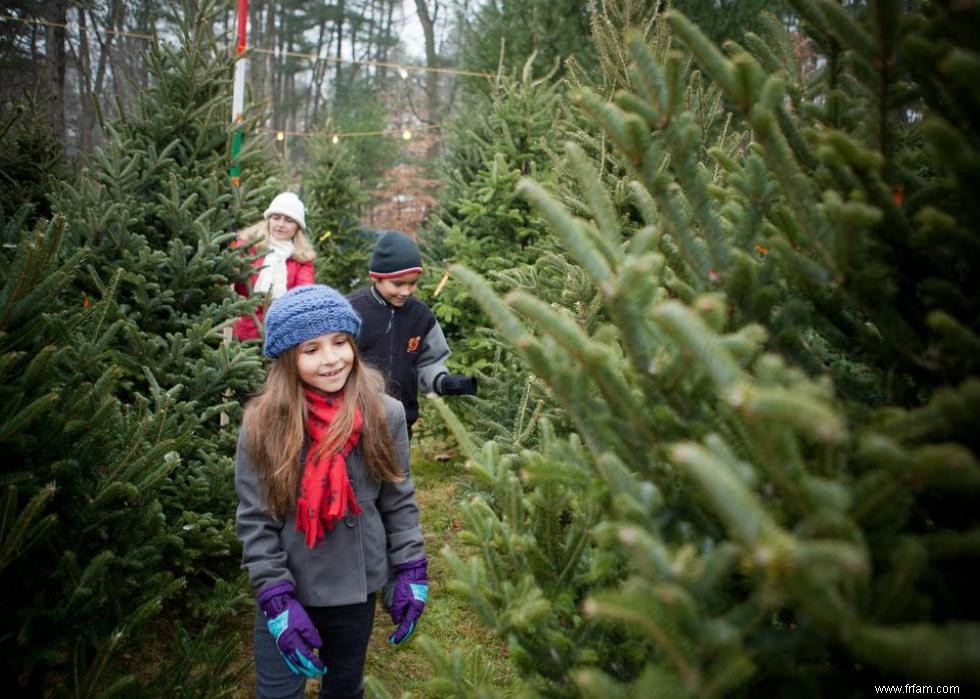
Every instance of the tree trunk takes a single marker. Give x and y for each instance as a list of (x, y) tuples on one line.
[(386, 36), (341, 11), (272, 63), (428, 22), (86, 122), (316, 80), (56, 12)]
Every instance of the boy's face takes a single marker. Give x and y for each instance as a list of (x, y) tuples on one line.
[(398, 290)]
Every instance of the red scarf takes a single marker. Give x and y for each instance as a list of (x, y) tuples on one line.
[(325, 494)]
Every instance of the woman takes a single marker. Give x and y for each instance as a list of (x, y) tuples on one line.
[(286, 264)]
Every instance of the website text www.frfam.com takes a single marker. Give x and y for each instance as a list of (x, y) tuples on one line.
[(917, 689)]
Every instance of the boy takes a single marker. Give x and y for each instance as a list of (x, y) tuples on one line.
[(399, 334)]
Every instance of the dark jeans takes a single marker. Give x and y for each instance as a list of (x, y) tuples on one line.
[(345, 632)]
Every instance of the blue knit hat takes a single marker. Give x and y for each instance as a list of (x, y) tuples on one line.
[(305, 312)]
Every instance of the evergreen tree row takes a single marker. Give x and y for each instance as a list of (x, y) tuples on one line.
[(121, 398), (765, 346)]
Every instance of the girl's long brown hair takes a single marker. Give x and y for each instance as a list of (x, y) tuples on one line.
[(275, 420), (258, 234)]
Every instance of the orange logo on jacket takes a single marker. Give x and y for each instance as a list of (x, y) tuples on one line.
[(413, 343)]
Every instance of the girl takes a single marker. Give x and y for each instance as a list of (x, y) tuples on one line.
[(288, 259), (326, 502)]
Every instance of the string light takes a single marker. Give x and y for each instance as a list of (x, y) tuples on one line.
[(406, 134), (74, 26), (403, 70), (280, 135)]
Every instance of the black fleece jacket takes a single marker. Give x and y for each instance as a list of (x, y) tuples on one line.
[(406, 344)]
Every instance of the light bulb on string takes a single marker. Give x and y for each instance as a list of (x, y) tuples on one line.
[(402, 72), (407, 135), (335, 139), (280, 135)]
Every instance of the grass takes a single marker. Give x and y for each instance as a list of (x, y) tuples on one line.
[(405, 671), (448, 619)]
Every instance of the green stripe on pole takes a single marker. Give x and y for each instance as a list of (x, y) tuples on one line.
[(236, 147)]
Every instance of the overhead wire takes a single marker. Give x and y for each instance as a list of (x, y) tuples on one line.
[(408, 67), (336, 135), (75, 26), (402, 68), (382, 64)]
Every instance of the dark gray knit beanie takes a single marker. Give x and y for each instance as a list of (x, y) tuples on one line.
[(395, 254), (305, 312)]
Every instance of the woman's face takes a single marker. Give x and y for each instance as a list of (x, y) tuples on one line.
[(282, 227), (326, 361)]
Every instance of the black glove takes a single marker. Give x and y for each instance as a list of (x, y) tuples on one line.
[(456, 385)]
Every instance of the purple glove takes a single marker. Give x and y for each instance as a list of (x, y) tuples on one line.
[(290, 625), (408, 599)]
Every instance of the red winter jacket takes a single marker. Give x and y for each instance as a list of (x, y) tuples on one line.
[(297, 274)]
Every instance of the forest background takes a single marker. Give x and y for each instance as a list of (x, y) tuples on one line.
[(714, 263)]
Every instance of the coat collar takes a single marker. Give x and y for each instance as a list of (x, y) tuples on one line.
[(380, 299)]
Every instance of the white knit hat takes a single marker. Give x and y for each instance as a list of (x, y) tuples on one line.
[(288, 204)]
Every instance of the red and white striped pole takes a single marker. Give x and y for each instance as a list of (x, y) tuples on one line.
[(238, 92)]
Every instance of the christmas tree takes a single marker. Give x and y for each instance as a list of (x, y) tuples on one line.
[(482, 223), (771, 483), (31, 161), (335, 197)]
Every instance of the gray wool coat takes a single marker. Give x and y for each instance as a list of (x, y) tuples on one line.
[(354, 557)]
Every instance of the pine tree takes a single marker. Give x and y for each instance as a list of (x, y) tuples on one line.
[(771, 484), (334, 197), (30, 161), (483, 224), (119, 505)]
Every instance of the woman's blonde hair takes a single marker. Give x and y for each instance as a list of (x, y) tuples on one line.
[(275, 421), (257, 235)]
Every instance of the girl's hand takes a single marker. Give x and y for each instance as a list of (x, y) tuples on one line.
[(290, 625), (408, 601)]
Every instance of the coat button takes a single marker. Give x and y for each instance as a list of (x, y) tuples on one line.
[(350, 521)]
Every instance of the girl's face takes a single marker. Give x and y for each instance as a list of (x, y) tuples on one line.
[(282, 227), (326, 361)]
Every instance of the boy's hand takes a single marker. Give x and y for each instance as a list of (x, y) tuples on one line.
[(457, 385)]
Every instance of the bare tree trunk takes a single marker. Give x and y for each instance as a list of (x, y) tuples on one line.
[(86, 123), (373, 52), (257, 61), (273, 41), (428, 22), (386, 34), (91, 89), (125, 60), (316, 80), (341, 12), (56, 12)]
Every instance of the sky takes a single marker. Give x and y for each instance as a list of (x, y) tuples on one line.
[(411, 31)]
